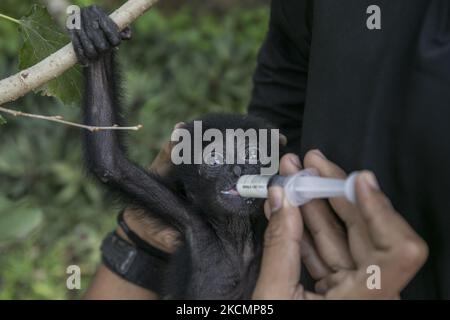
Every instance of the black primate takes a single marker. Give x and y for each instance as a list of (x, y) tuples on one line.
[(222, 232)]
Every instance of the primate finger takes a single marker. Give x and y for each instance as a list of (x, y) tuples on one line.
[(88, 47), (99, 41), (126, 34), (79, 52), (93, 31), (108, 26)]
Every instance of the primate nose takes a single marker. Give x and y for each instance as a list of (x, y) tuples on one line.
[(237, 171)]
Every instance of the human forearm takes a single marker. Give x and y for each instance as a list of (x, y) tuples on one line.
[(106, 285)]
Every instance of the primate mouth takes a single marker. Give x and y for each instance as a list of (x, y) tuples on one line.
[(232, 191)]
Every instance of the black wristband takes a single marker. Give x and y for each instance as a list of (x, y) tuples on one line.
[(133, 264), (141, 244)]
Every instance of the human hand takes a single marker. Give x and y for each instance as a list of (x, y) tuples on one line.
[(374, 235)]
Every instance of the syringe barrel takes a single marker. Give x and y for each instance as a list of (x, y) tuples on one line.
[(302, 189), (299, 188)]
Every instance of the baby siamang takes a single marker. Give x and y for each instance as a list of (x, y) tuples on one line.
[(222, 232)]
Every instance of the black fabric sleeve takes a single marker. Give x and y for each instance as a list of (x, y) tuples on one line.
[(424, 152), (281, 74)]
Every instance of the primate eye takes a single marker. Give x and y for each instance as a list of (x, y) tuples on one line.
[(214, 159), (252, 154)]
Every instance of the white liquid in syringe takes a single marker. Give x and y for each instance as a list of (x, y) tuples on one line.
[(299, 188)]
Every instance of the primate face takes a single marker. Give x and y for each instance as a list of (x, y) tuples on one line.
[(211, 185), (219, 180)]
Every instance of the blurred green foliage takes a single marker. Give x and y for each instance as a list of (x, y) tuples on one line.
[(42, 36), (179, 65)]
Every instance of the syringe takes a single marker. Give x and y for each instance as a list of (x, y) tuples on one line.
[(300, 188)]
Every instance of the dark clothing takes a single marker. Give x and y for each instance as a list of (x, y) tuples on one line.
[(370, 99)]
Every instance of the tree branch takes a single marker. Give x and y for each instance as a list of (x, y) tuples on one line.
[(60, 119), (54, 65)]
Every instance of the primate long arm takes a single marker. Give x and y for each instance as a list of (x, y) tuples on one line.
[(106, 157)]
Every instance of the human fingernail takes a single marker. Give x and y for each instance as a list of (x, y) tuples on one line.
[(320, 154), (267, 209), (371, 180), (276, 199), (295, 161)]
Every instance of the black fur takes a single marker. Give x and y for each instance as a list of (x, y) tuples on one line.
[(222, 235)]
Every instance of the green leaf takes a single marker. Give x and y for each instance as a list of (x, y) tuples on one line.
[(2, 120), (42, 37), (17, 222)]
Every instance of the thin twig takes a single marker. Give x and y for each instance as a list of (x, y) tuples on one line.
[(60, 119), (9, 18)]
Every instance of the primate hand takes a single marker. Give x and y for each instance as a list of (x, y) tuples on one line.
[(98, 35)]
